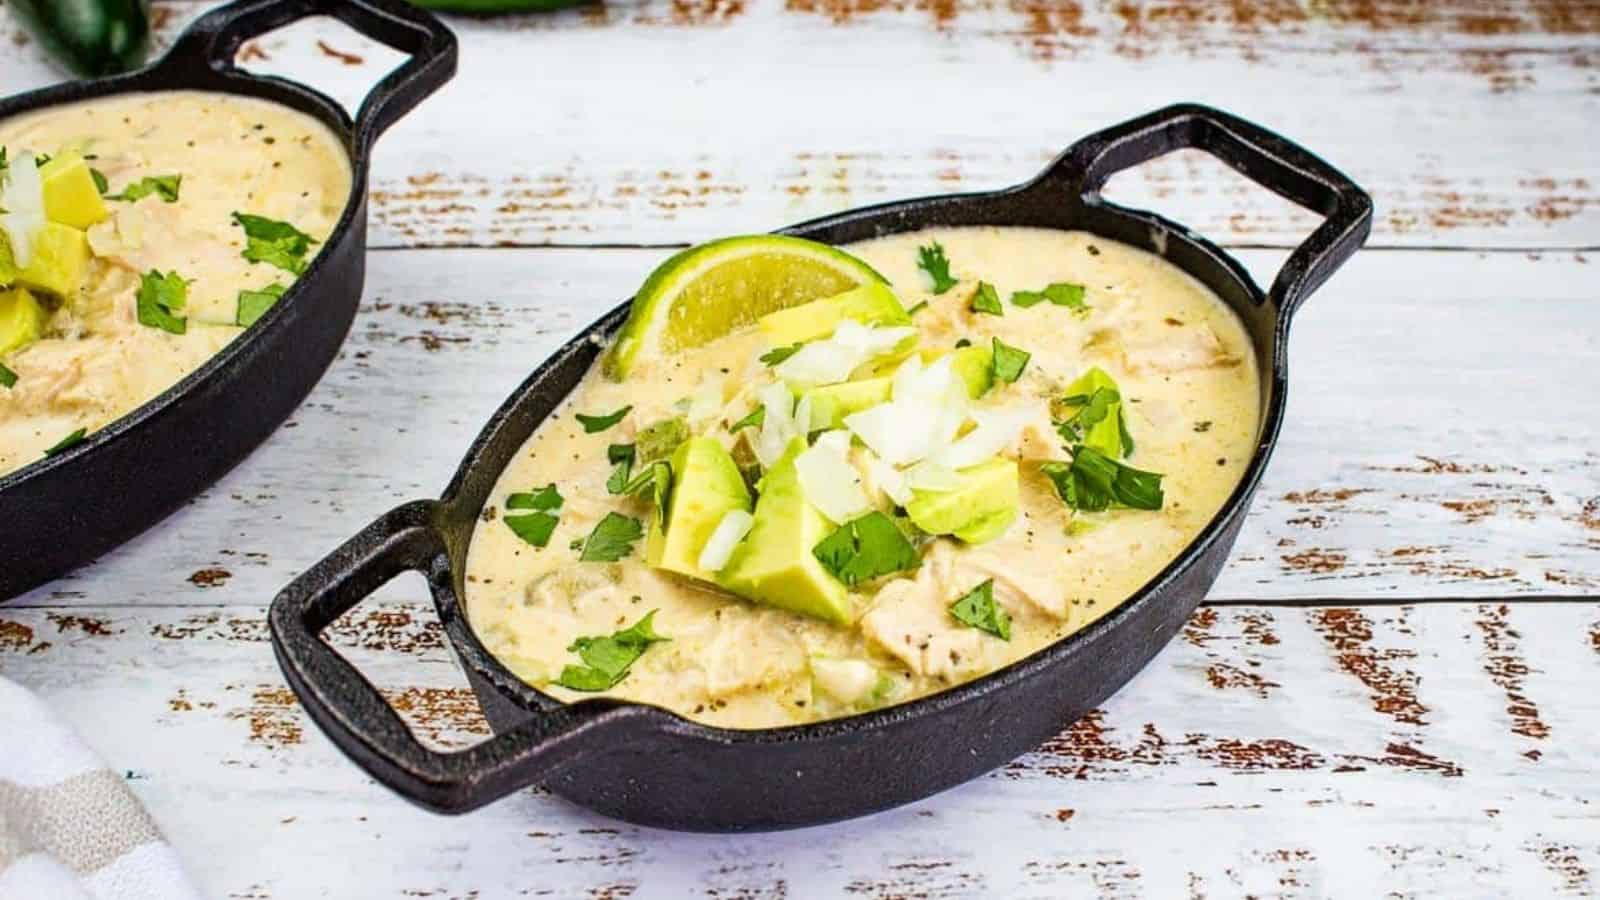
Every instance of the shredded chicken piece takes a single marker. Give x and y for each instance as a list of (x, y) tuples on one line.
[(750, 650), (1189, 348)]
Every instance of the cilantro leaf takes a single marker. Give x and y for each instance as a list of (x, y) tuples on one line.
[(7, 377), (274, 243), (66, 443), (593, 424), (534, 528), (1009, 361), (1093, 481), (986, 300), (963, 342), (931, 259), (918, 308), (606, 659), (545, 499), (978, 609), (254, 304), (1061, 294), (159, 300), (657, 479), (1092, 414), (779, 354), (621, 458), (166, 186), (753, 420), (99, 178), (865, 549), (612, 538)]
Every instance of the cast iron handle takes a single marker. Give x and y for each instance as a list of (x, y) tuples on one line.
[(1270, 160), (215, 38), (362, 723)]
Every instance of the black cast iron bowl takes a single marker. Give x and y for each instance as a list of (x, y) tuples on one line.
[(647, 765), (65, 510)]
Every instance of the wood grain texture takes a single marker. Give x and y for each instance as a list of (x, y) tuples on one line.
[(670, 121), (1402, 472), (1269, 751)]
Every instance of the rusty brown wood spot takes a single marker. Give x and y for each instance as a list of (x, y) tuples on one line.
[(1317, 562), (1224, 676), (209, 578), (90, 625), (1348, 632), (1564, 861), (349, 59), (251, 51), (440, 715), (15, 635), (273, 716), (1507, 669), (1324, 496)]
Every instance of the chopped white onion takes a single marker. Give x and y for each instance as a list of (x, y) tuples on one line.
[(828, 480), (996, 430), (777, 424), (890, 480), (802, 415), (23, 200), (931, 476), (724, 538), (706, 402), (831, 361), (845, 680)]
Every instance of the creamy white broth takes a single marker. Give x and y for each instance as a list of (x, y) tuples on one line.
[(96, 362), (1183, 363)]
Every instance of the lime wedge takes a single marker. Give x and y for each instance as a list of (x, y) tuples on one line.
[(711, 290)]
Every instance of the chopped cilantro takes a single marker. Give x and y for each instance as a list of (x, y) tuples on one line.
[(274, 243), (593, 424), (657, 479), (865, 549), (99, 178), (753, 420), (963, 343), (621, 458), (535, 527), (612, 539), (1092, 414), (7, 377), (1094, 481), (547, 498), (166, 186), (986, 300), (1009, 361), (779, 354), (159, 300), (254, 304), (931, 259), (1061, 294), (606, 659), (978, 609), (66, 443), (918, 308)]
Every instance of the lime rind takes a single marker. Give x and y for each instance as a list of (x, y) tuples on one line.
[(709, 290)]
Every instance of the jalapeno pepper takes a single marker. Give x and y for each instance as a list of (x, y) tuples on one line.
[(89, 37)]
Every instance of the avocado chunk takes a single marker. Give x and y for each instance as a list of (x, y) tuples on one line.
[(22, 319), (8, 263), (1100, 424), (831, 403), (975, 365), (70, 194), (870, 304), (980, 509), (706, 485), (60, 262), (775, 566)]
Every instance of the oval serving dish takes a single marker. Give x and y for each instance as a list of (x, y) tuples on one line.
[(66, 509), (647, 765)]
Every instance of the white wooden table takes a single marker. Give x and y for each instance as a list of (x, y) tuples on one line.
[(1394, 686)]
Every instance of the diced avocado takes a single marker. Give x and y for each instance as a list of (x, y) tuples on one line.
[(1104, 435), (658, 441), (775, 565), (8, 265), (22, 319), (980, 509), (975, 365), (70, 194), (60, 260), (870, 304), (706, 486), (831, 403)]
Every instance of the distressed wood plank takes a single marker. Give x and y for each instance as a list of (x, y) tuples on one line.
[(1440, 749), (668, 121), (1401, 474)]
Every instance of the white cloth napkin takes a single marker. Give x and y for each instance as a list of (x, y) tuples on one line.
[(69, 827)]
